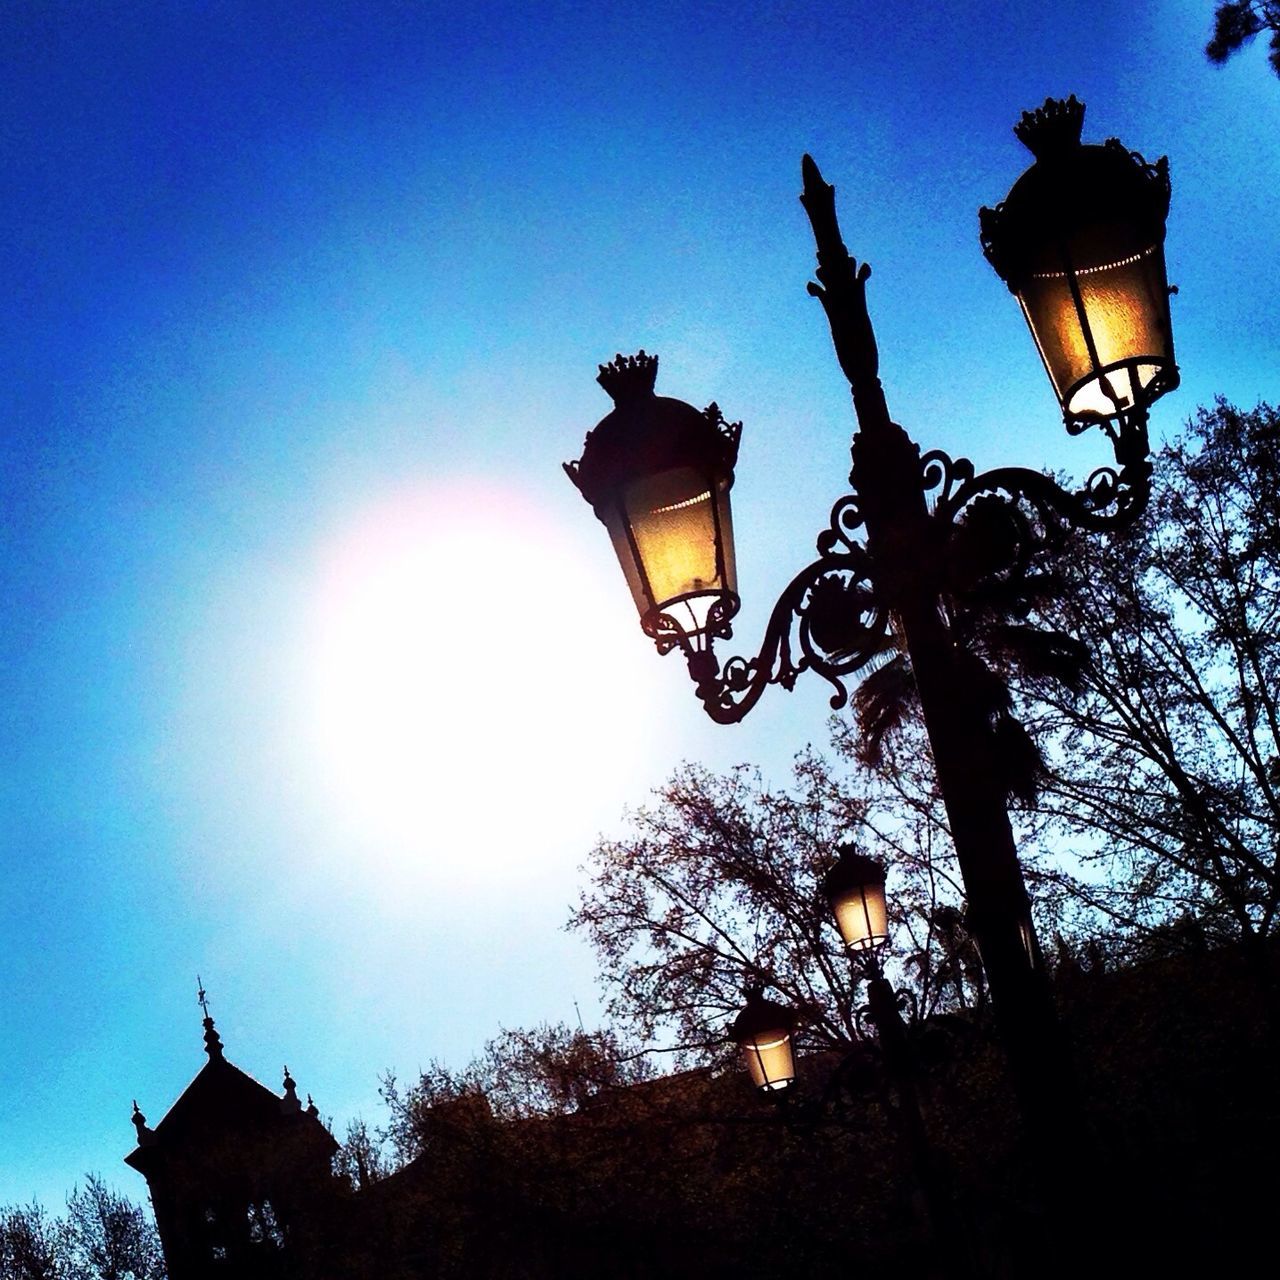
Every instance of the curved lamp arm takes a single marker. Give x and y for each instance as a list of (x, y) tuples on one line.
[(1111, 498), (829, 619)]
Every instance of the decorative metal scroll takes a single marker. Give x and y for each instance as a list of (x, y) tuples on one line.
[(669, 633), (828, 620), (1111, 498)]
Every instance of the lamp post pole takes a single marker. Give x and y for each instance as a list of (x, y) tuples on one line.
[(947, 1239), (907, 563)]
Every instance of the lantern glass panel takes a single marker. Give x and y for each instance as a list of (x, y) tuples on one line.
[(769, 1059), (1125, 310), (862, 917), (673, 535)]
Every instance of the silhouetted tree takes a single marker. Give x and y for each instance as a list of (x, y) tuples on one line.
[(1165, 771), (108, 1237), (520, 1074), (717, 882), (361, 1159), (30, 1245), (1236, 22), (103, 1236)]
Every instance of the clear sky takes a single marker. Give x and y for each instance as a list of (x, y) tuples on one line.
[(317, 676)]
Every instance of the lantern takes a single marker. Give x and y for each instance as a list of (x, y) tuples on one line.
[(1080, 242), (762, 1030), (658, 474), (854, 888)]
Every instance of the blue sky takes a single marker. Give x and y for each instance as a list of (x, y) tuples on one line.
[(317, 678)]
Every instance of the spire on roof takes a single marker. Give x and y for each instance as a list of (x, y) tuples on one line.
[(212, 1042), (289, 1104), (146, 1137), (312, 1110)]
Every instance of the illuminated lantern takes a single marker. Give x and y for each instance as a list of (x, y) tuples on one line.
[(1080, 242), (763, 1032), (854, 888), (658, 472)]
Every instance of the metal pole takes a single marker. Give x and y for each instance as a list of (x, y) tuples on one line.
[(907, 551), (949, 1245)]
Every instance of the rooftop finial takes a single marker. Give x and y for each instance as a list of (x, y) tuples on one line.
[(212, 1042), (289, 1103), (629, 377), (146, 1137), (1052, 129)]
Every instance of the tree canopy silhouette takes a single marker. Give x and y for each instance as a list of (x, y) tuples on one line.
[(716, 884), (103, 1236), (1236, 22), (1164, 771)]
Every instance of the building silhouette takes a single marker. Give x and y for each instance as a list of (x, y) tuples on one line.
[(239, 1176)]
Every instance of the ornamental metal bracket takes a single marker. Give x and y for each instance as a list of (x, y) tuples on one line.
[(1111, 498), (829, 620)]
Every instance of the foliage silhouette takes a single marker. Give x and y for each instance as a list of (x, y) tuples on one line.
[(103, 1236), (1236, 22), (1165, 770), (716, 883)]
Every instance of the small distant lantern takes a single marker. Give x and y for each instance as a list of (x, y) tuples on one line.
[(658, 474), (763, 1032), (854, 888), (1080, 242)]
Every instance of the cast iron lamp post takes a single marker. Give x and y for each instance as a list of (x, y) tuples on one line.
[(854, 889), (1079, 241)]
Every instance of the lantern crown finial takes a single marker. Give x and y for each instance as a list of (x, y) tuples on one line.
[(852, 869), (628, 378), (1052, 129)]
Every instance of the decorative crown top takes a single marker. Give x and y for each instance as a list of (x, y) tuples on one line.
[(1052, 129), (629, 377)]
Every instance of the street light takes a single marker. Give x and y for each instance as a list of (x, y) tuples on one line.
[(763, 1031), (854, 890), (658, 474), (1080, 242)]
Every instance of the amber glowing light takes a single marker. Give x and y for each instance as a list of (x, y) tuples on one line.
[(854, 889), (1080, 242), (763, 1031), (658, 473)]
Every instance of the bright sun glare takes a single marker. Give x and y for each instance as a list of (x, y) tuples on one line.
[(465, 686)]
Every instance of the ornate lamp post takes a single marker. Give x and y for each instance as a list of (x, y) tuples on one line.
[(1080, 243), (763, 1030), (854, 888)]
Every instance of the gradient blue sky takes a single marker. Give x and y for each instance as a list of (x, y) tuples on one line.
[(318, 678)]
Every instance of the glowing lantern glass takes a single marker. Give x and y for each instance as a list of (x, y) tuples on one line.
[(763, 1032), (1080, 242), (854, 888), (658, 474)]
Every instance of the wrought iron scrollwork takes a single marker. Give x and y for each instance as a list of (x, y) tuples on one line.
[(829, 620), (1111, 498), (669, 633)]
